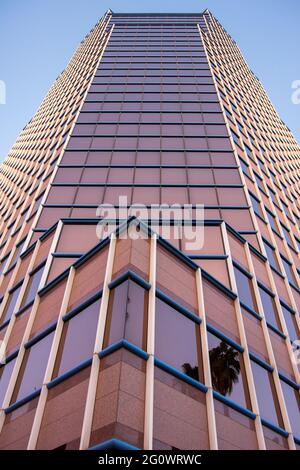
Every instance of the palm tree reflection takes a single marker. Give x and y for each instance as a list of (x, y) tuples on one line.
[(225, 368)]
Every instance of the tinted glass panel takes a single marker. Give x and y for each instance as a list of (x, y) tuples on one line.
[(266, 396), (78, 339), (126, 315), (227, 370), (33, 368), (177, 340)]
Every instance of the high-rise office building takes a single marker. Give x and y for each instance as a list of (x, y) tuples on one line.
[(118, 330)]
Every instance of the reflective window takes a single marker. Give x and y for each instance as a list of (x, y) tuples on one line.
[(292, 401), (10, 305), (32, 286), (266, 394), (227, 370), (271, 256), (245, 288), (33, 368), (289, 271), (269, 307), (126, 318), (291, 323), (78, 339), (5, 374), (177, 340)]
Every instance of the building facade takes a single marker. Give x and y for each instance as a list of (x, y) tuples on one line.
[(117, 331)]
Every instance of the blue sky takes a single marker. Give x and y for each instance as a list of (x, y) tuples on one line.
[(37, 39)]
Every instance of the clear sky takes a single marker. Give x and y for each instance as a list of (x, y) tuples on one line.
[(38, 37)]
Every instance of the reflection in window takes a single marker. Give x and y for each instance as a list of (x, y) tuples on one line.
[(33, 368), (291, 323), (32, 286), (227, 370), (269, 307), (292, 401), (266, 395), (177, 340), (245, 289), (126, 314), (271, 256), (78, 339), (289, 271), (5, 374), (10, 305)]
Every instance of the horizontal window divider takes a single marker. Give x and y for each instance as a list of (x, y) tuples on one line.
[(147, 185), (179, 254), (180, 375), (82, 365), (235, 233), (276, 233), (98, 247), (113, 443), (16, 286), (35, 339), (289, 381), (4, 325), (275, 270), (266, 288), (116, 136), (250, 310), (274, 427), (248, 232), (53, 283), (79, 308), (261, 362), (176, 167), (276, 330), (10, 268), (38, 267), (10, 357), (217, 257), (147, 112), (22, 401), (180, 308), (129, 275), (218, 284), (123, 343), (67, 255), (95, 206), (294, 286), (152, 101), (257, 253), (24, 308), (224, 337), (151, 150), (234, 405), (242, 269), (287, 306)]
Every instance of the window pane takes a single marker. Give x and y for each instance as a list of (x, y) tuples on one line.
[(33, 368), (78, 339), (177, 340), (10, 306), (32, 286), (292, 401), (126, 314), (227, 370), (269, 307), (291, 324), (5, 374), (245, 289), (266, 396)]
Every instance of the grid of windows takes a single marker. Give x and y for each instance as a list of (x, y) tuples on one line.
[(150, 123)]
